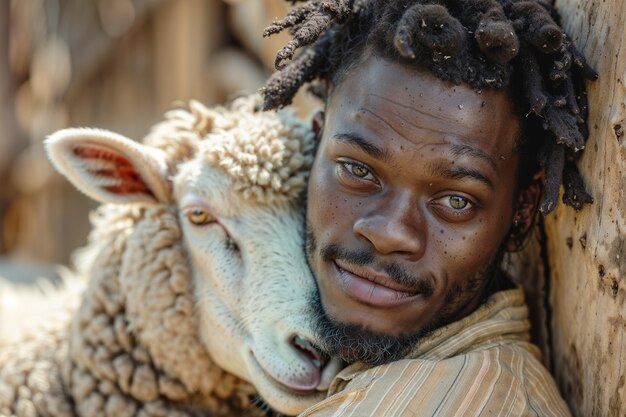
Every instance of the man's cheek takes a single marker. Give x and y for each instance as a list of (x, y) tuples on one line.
[(467, 253), (327, 205)]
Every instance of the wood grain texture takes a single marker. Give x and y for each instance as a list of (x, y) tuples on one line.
[(587, 249)]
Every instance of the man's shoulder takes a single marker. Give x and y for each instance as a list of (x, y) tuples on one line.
[(512, 362), (497, 380)]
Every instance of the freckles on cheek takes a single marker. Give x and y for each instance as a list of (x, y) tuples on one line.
[(466, 249), (325, 195), (321, 212)]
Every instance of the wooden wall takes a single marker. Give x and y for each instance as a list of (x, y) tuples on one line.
[(587, 249)]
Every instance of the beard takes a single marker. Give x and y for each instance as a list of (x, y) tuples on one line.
[(354, 343), (357, 343)]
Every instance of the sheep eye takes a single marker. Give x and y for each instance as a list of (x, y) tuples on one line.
[(198, 216)]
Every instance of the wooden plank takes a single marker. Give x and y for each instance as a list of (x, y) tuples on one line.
[(587, 249), (9, 140), (89, 44), (187, 33)]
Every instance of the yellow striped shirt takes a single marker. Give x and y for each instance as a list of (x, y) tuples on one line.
[(482, 365)]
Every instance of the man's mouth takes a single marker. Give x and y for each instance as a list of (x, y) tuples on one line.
[(371, 287)]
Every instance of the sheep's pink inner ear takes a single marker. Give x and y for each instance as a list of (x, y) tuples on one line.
[(110, 168), (113, 168)]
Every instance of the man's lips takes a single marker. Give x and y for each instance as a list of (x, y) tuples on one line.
[(370, 287)]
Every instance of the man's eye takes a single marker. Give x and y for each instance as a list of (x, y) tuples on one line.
[(358, 170), (454, 208), (458, 203), (355, 175)]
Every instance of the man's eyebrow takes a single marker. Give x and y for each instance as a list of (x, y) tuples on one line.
[(359, 142), (466, 150), (455, 172)]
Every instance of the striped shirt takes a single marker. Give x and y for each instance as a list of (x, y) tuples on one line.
[(481, 365)]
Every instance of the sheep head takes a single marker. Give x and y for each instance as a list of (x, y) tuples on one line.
[(235, 178)]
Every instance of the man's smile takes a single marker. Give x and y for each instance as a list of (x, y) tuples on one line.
[(370, 287)]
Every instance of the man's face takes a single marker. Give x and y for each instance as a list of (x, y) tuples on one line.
[(409, 200)]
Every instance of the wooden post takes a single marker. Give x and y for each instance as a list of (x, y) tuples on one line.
[(587, 249), (188, 33), (9, 139)]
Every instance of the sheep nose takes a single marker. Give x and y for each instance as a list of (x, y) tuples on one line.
[(314, 361), (310, 351)]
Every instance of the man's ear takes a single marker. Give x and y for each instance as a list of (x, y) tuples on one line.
[(317, 124), (525, 213), (108, 167)]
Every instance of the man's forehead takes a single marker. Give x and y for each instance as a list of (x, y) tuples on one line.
[(384, 99), (434, 154)]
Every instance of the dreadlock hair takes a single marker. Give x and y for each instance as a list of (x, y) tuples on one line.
[(514, 44)]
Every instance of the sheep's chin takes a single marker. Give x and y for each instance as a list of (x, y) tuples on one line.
[(274, 392)]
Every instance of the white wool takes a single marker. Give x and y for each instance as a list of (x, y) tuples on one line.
[(268, 154)]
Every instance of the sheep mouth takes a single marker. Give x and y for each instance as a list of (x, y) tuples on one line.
[(298, 383), (279, 384)]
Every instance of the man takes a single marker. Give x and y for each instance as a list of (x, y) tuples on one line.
[(440, 122)]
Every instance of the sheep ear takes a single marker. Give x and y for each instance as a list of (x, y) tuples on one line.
[(108, 167)]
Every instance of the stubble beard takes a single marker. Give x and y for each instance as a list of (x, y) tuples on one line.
[(357, 343)]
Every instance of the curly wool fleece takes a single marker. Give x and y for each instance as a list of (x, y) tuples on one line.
[(268, 157), (125, 359), (133, 347)]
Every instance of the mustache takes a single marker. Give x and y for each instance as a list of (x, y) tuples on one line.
[(395, 272)]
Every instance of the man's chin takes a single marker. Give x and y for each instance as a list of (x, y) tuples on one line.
[(356, 343)]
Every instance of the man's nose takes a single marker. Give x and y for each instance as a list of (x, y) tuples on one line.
[(395, 230)]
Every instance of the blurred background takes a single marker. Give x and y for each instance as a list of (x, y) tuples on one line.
[(115, 64)]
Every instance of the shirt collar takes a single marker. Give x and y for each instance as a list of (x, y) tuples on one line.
[(502, 317)]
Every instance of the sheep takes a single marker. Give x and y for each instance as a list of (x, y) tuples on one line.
[(197, 278)]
